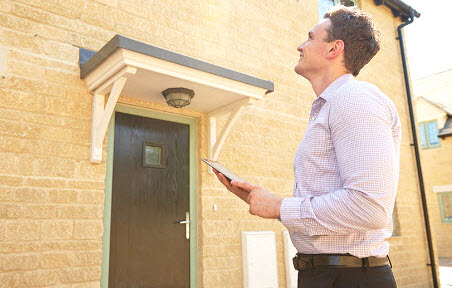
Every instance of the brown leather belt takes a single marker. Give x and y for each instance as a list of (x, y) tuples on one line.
[(303, 261)]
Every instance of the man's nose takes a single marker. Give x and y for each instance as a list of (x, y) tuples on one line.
[(300, 48)]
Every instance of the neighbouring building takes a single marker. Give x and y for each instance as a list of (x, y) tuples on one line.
[(101, 182), (434, 117)]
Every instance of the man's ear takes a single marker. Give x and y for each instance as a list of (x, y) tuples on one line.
[(337, 47)]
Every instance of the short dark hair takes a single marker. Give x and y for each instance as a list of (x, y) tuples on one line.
[(358, 32)]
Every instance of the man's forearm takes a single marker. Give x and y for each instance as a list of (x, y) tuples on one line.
[(340, 212)]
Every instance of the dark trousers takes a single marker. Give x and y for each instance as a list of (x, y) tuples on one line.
[(375, 277)]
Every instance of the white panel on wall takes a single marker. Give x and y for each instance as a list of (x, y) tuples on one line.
[(289, 253), (259, 259)]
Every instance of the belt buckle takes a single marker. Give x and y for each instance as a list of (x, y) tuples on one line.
[(365, 263)]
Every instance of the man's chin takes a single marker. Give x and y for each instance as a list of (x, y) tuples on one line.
[(299, 70)]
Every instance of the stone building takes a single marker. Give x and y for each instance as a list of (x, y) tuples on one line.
[(434, 117), (81, 132)]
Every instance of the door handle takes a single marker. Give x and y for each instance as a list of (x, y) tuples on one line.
[(187, 225)]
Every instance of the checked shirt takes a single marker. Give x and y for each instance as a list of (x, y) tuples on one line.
[(346, 173)]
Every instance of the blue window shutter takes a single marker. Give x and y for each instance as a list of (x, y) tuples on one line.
[(432, 134), (422, 135)]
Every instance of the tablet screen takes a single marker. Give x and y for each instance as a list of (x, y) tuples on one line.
[(223, 170)]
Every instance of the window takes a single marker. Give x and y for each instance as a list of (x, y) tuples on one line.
[(428, 134), (445, 202), (324, 5)]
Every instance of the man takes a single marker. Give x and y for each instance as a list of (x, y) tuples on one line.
[(346, 166)]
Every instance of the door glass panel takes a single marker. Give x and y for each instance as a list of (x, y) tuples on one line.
[(153, 155)]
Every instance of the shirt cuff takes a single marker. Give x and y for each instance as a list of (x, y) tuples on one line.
[(291, 213)]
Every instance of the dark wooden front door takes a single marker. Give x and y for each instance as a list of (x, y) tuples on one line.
[(150, 195)]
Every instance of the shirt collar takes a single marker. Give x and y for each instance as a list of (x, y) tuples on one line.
[(330, 90)]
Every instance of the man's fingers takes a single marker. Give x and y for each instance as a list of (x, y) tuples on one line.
[(224, 180), (242, 194), (244, 185)]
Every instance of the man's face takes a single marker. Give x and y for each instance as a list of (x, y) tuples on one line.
[(313, 51)]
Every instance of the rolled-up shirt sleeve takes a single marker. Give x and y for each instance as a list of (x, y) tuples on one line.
[(361, 130)]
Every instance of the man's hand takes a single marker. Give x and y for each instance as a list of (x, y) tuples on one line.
[(262, 203)]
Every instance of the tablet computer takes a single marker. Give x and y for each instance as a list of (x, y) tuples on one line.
[(223, 170)]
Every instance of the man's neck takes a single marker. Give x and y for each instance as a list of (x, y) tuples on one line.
[(321, 82)]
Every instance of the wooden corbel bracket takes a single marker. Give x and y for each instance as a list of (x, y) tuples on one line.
[(216, 143), (102, 113)]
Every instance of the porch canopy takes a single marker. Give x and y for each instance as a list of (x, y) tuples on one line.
[(142, 71)]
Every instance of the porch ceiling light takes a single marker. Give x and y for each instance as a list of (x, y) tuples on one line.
[(178, 97)]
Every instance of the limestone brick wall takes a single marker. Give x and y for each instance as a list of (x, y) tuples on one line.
[(51, 196), (436, 167)]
